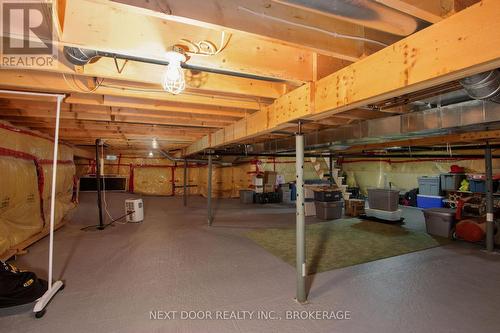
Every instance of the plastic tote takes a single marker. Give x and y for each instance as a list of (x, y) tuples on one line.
[(429, 201), (329, 210), (439, 221), (383, 199)]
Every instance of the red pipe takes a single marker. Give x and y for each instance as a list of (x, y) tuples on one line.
[(388, 160), (131, 179), (118, 165)]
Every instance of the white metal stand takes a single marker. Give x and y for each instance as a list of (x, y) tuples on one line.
[(53, 288)]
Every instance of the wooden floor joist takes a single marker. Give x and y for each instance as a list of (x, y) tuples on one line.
[(456, 47)]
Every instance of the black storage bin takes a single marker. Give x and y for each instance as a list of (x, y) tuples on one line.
[(269, 197), (327, 196), (354, 192)]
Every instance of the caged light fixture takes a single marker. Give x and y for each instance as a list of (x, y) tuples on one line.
[(154, 144), (173, 79)]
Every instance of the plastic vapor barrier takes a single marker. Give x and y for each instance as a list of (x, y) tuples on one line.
[(25, 185), (404, 173), (20, 213)]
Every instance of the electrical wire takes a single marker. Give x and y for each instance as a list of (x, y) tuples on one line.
[(206, 47), (330, 33), (113, 220)]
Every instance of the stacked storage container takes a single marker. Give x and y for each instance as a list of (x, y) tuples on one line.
[(429, 188), (383, 204), (451, 181), (328, 204)]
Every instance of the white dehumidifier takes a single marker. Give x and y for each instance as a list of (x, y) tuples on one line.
[(134, 208)]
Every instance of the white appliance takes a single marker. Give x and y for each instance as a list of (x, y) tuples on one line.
[(137, 207)]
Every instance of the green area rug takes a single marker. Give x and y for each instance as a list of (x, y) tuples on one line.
[(345, 242)]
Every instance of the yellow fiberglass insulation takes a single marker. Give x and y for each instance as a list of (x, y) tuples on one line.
[(20, 215), (23, 155)]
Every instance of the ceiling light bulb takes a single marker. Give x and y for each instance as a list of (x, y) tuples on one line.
[(173, 79), (154, 144), (150, 154)]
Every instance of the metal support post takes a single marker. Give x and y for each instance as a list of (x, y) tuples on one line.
[(489, 198), (209, 190), (98, 180), (300, 221), (185, 194), (330, 167)]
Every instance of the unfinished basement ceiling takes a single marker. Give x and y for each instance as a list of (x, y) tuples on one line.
[(254, 57)]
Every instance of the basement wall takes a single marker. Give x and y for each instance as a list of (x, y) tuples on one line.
[(155, 176), (25, 184), (403, 173)]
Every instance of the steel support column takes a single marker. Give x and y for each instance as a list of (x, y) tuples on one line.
[(209, 190), (489, 198), (185, 183), (98, 181), (330, 167), (300, 220)]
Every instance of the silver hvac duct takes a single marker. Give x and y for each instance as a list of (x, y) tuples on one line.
[(181, 159), (484, 86), (472, 115)]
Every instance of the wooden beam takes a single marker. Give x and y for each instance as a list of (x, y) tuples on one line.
[(150, 76), (277, 21), (98, 24), (83, 153), (51, 82), (454, 48), (432, 140), (147, 104), (118, 118), (430, 11), (121, 110), (35, 122)]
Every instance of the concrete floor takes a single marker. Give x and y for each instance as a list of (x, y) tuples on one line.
[(174, 262)]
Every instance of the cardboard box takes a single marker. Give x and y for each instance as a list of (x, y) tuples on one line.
[(309, 208), (258, 180), (268, 188), (270, 177), (354, 207)]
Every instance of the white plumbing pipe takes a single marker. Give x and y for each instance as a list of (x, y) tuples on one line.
[(52, 287)]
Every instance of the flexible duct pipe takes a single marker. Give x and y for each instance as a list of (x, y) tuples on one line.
[(484, 86)]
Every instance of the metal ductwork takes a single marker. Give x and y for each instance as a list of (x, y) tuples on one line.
[(78, 56), (483, 86), (467, 116), (182, 160), (367, 13)]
